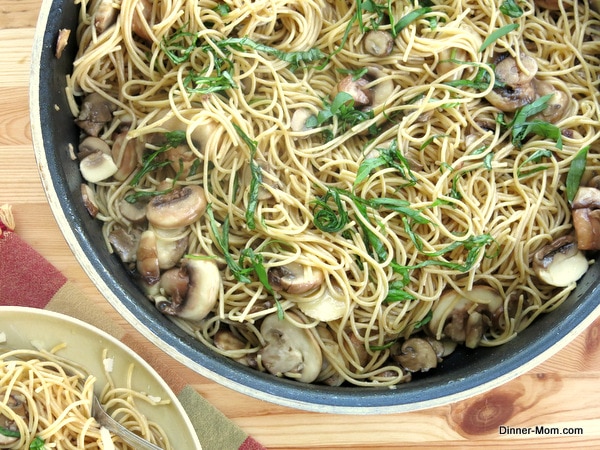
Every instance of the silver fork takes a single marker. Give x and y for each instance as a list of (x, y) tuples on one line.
[(98, 411), (130, 438)]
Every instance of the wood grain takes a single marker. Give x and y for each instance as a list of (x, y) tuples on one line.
[(562, 392)]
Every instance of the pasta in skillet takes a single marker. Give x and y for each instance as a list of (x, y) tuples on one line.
[(341, 192)]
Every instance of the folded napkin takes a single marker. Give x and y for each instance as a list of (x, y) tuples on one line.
[(22, 267)]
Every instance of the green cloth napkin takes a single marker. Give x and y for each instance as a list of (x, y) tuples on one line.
[(22, 267)]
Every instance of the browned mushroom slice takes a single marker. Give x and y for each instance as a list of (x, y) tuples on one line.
[(357, 89), (551, 5), (586, 217), (147, 258), (104, 16), (134, 212), (90, 145), (89, 199), (518, 89), (236, 349), (560, 263), (295, 278), (415, 355), (125, 242), (557, 105), (202, 293), (179, 208), (464, 317), (95, 112), (125, 155), (300, 118), (140, 24), (62, 41), (289, 351)]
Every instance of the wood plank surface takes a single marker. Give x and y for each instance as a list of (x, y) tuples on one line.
[(563, 392)]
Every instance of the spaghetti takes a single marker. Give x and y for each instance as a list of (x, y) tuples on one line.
[(379, 176), (47, 401)]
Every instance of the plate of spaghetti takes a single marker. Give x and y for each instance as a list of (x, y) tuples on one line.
[(52, 365), (363, 205)]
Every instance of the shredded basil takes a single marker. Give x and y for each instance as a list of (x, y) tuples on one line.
[(388, 157), (510, 8), (409, 18), (536, 157), (575, 173), (497, 34), (255, 181)]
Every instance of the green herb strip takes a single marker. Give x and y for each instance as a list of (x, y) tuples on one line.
[(575, 173), (497, 34)]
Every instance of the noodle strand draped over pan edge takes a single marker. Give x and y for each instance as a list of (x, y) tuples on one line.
[(378, 176)]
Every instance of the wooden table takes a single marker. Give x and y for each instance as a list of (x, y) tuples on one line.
[(562, 392)]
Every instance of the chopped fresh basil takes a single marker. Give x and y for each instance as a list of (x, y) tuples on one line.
[(497, 34), (410, 18), (510, 8), (575, 173)]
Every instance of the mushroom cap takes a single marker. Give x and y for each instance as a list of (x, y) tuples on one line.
[(587, 228), (560, 263), (295, 278), (125, 155), (290, 351), (453, 310), (179, 208), (510, 72), (415, 354), (202, 293)]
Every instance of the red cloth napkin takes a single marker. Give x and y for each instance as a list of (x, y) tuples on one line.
[(28, 279)]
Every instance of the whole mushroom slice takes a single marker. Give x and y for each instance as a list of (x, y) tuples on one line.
[(560, 263), (327, 306), (415, 355), (171, 245), (104, 15), (289, 351), (464, 317), (557, 105), (97, 167), (202, 293), (517, 79), (179, 208), (295, 278), (125, 155), (125, 242), (586, 217), (226, 341), (147, 258)]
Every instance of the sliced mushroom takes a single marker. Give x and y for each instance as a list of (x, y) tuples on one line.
[(552, 5), (226, 341), (171, 245), (95, 112), (203, 128), (135, 212), (183, 160), (104, 16), (357, 89), (125, 154), (300, 118), (587, 228), (147, 258), (175, 283), (327, 306), (329, 374), (125, 242), (464, 317), (378, 43), (518, 89), (202, 294), (381, 90), (415, 355), (18, 403), (97, 167), (89, 199), (62, 41), (557, 105), (290, 351), (141, 19), (179, 208), (295, 278), (560, 263), (90, 145)]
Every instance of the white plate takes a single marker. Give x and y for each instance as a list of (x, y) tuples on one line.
[(85, 344)]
